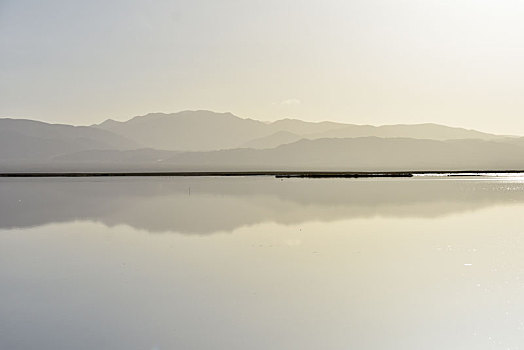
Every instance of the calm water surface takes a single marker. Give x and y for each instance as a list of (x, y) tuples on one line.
[(260, 263)]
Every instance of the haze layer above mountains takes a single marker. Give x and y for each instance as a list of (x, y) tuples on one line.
[(204, 140)]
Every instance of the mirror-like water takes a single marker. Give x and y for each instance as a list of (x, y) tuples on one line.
[(262, 263)]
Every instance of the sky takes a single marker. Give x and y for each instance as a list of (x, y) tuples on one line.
[(456, 62)]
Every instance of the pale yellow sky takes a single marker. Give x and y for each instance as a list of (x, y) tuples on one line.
[(367, 62)]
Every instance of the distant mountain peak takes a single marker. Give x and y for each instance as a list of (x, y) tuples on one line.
[(106, 123), (202, 113)]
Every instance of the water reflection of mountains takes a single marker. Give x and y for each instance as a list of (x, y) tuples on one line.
[(207, 205)]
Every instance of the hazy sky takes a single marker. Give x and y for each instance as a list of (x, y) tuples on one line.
[(457, 62)]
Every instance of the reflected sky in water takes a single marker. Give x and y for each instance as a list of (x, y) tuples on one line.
[(260, 263)]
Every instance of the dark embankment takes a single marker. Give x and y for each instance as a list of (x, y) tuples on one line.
[(278, 174)]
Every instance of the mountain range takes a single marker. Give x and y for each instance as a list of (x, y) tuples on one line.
[(205, 140), (209, 131)]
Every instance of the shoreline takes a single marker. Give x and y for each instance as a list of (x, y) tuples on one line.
[(277, 174)]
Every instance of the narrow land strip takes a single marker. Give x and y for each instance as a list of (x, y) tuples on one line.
[(278, 174)]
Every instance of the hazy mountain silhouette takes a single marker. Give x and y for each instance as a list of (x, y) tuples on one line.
[(22, 139), (416, 131), (210, 131), (222, 141)]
